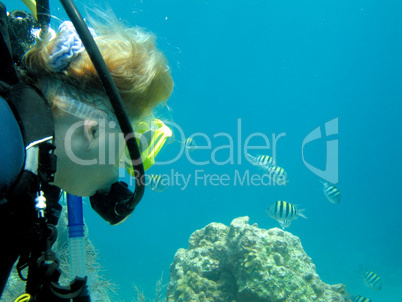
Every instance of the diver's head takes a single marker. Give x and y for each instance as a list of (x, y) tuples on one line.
[(88, 144), (138, 68)]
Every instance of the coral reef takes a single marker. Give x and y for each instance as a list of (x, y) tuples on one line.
[(159, 292), (243, 263)]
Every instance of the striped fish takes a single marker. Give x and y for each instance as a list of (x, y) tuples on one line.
[(277, 174), (361, 299), (285, 223), (261, 161), (155, 183), (332, 192), (189, 143), (372, 280), (282, 211), (265, 160)]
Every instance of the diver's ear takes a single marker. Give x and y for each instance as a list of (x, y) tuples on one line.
[(91, 130)]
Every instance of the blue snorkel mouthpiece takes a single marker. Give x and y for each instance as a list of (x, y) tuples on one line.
[(75, 216), (76, 235)]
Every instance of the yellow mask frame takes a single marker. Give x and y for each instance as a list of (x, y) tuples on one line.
[(155, 138), (31, 4)]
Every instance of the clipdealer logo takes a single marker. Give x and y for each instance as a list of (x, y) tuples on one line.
[(233, 151), (331, 172)]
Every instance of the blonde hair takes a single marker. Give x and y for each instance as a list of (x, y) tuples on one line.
[(138, 68)]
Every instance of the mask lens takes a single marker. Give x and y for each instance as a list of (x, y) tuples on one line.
[(150, 141)]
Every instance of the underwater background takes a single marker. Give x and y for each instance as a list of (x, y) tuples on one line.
[(283, 68)]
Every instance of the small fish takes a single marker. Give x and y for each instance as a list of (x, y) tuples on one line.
[(361, 299), (372, 280), (285, 223), (155, 183), (282, 211), (277, 174), (190, 144), (261, 160), (332, 192)]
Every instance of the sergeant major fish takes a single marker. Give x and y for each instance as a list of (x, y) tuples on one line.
[(155, 183), (277, 174), (261, 160), (361, 299), (331, 192), (284, 211), (285, 223), (372, 280), (189, 143)]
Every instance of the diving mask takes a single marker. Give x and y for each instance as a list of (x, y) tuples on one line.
[(150, 140), (150, 137)]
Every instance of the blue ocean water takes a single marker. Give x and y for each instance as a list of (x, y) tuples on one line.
[(281, 68)]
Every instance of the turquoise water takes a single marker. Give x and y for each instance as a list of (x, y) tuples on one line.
[(273, 67)]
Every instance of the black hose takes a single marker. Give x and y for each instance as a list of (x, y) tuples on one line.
[(43, 13), (111, 90)]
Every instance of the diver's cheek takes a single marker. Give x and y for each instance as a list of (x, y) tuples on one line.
[(109, 177), (114, 177)]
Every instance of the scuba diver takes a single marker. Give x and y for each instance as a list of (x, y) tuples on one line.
[(67, 123)]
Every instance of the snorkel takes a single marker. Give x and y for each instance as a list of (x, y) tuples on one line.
[(120, 202)]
